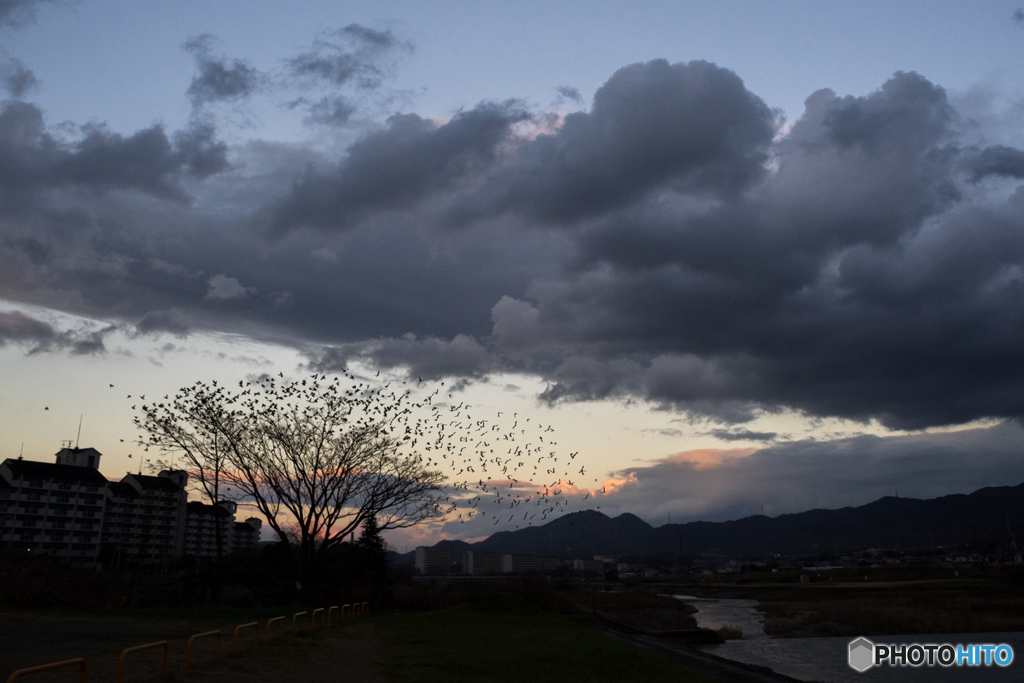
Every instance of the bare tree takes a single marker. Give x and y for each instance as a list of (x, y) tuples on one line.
[(198, 425), (314, 456)]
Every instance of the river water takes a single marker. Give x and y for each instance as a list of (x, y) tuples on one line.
[(825, 659)]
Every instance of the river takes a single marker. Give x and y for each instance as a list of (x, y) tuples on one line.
[(825, 659)]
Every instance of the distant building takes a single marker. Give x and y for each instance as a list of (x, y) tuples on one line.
[(69, 510), (588, 566), (519, 564), (548, 565), (480, 563), (432, 561)]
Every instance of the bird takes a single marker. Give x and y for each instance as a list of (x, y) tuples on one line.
[(46, 408)]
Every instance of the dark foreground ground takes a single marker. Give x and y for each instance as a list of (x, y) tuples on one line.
[(499, 638)]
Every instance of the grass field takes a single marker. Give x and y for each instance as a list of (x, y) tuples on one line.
[(507, 639), (500, 637)]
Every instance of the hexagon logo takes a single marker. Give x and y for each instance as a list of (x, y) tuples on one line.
[(862, 654)]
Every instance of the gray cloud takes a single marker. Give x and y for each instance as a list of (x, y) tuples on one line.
[(16, 78), (804, 475), (742, 435), (566, 92), (19, 328), (18, 13), (42, 337), (1018, 16), (174, 321), (350, 55), (219, 78), (224, 288), (398, 167), (429, 358), (355, 59)]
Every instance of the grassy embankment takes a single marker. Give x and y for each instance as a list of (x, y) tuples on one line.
[(500, 637)]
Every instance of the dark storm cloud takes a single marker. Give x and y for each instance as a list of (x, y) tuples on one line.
[(219, 78), (656, 126), (810, 474), (859, 279), (32, 160), (399, 166), (866, 264), (16, 78)]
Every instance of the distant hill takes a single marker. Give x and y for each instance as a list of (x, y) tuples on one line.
[(986, 514)]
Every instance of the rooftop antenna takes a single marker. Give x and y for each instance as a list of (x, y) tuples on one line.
[(21, 455), (79, 431)]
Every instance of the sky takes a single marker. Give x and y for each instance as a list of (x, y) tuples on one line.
[(741, 257)]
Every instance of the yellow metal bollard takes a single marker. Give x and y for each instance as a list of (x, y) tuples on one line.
[(350, 612), (256, 643), (46, 667), (284, 627), (366, 608), (188, 648), (330, 613), (296, 616), (313, 620), (120, 663)]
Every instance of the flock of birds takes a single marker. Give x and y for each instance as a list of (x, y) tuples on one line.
[(507, 468)]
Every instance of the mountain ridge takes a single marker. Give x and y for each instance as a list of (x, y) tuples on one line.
[(987, 513)]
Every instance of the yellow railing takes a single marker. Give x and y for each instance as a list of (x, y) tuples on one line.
[(256, 643), (188, 648), (284, 626), (46, 667), (326, 619), (159, 643)]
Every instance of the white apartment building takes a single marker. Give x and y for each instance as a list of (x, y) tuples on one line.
[(432, 561), (69, 510)]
